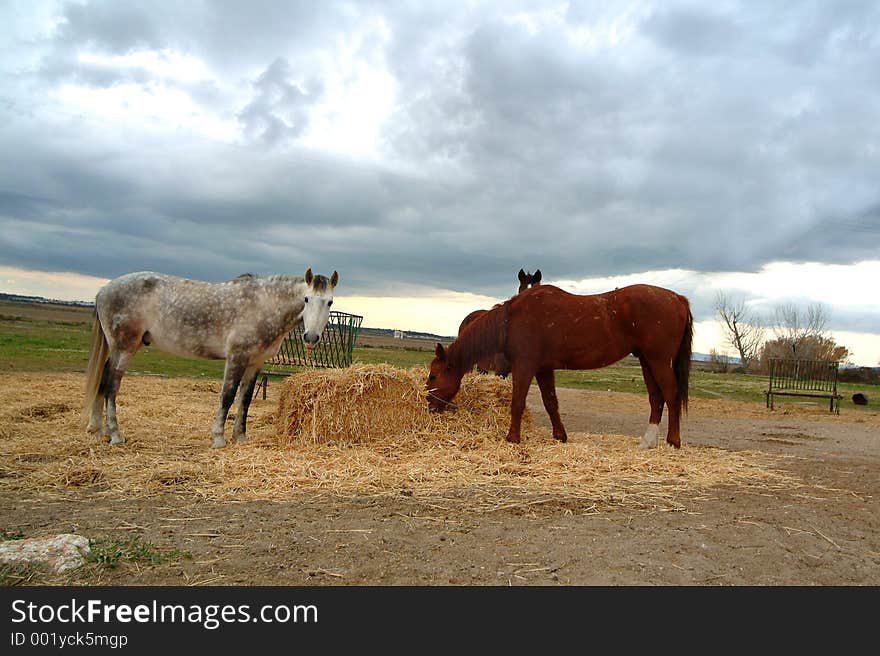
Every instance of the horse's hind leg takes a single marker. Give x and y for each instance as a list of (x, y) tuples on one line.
[(547, 384), (655, 398), (248, 381), (115, 370), (232, 375), (665, 377)]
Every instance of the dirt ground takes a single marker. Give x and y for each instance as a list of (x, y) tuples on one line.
[(825, 531)]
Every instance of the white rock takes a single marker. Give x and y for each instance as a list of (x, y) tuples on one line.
[(61, 553)]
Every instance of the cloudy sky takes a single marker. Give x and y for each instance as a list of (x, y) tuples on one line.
[(427, 151)]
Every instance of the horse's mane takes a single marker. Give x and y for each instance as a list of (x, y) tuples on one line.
[(282, 280), (484, 336), (320, 283), (274, 276)]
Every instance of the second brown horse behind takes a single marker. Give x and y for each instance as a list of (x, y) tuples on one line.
[(546, 328), (497, 362)]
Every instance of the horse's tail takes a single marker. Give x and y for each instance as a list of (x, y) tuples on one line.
[(682, 365), (95, 370)]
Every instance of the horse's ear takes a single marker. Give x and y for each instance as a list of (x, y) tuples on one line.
[(440, 352), (309, 277), (522, 275), (536, 279), (334, 279)]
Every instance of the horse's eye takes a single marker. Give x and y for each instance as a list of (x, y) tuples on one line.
[(432, 377), (307, 299), (330, 302)]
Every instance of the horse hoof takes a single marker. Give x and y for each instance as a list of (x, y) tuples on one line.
[(649, 439), (561, 438), (219, 443), (91, 430), (513, 439), (241, 439), (117, 439)]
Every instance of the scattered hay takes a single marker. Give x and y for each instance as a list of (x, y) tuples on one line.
[(87, 476), (357, 432), (41, 411)]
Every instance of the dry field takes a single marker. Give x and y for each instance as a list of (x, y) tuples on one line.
[(392, 495), (385, 341)]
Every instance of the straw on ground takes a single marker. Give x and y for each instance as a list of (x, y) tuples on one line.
[(354, 432)]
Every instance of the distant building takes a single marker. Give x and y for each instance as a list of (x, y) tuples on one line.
[(399, 334)]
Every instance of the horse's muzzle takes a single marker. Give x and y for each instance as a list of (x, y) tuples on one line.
[(436, 404), (310, 340)]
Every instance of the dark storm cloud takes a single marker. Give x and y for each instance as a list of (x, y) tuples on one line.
[(113, 27), (279, 108), (692, 31), (109, 28), (223, 211), (235, 37), (589, 142)]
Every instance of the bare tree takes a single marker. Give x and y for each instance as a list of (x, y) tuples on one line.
[(799, 331), (742, 329), (720, 362), (803, 335)]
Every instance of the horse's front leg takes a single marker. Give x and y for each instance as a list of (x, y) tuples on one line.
[(248, 382), (232, 374), (522, 379)]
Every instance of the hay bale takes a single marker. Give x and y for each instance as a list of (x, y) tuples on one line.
[(376, 403)]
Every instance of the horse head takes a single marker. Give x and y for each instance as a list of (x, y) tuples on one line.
[(318, 299), (443, 381), (527, 280)]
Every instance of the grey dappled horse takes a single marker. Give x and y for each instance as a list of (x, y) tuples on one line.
[(242, 321)]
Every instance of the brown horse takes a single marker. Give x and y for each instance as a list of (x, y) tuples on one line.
[(546, 328), (498, 363), (527, 280)]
